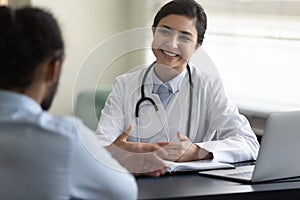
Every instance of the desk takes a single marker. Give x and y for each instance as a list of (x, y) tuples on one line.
[(193, 186)]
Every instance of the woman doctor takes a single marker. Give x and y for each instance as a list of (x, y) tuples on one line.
[(174, 105)]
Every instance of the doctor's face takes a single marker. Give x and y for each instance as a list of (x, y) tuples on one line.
[(175, 41)]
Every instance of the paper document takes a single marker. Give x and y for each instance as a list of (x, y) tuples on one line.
[(196, 165)]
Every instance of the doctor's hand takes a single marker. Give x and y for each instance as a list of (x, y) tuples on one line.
[(138, 158), (184, 150)]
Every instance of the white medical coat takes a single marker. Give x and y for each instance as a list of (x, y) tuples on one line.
[(216, 124)]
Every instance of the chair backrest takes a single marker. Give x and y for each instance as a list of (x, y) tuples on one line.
[(34, 163), (89, 105)]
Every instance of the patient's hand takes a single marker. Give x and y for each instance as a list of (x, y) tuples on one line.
[(138, 158)]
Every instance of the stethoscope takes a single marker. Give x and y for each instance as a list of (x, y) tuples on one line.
[(144, 98)]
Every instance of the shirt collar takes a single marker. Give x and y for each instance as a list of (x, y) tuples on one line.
[(172, 84), (17, 100)]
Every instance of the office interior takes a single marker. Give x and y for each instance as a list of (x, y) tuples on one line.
[(253, 44)]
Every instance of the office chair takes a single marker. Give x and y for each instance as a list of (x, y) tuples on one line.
[(89, 105)]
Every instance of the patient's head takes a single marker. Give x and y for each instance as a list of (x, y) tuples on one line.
[(30, 38)]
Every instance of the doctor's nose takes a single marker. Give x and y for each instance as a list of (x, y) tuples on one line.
[(173, 41)]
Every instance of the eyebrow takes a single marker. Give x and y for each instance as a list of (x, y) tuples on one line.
[(183, 32)]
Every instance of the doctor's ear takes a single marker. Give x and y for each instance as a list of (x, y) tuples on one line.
[(198, 45)]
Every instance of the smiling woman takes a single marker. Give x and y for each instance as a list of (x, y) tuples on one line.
[(172, 103)]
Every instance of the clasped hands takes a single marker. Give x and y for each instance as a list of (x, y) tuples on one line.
[(147, 159)]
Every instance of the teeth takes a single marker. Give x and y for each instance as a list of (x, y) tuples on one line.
[(169, 53)]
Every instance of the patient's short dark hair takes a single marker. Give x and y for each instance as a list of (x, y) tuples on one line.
[(28, 36)]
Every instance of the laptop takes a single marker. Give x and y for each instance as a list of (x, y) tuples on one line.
[(278, 157)]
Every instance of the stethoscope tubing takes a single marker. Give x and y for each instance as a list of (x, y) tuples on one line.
[(144, 98)]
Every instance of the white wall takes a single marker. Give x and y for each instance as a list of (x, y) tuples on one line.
[(16, 3), (85, 24)]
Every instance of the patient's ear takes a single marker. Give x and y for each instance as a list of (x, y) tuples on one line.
[(53, 70)]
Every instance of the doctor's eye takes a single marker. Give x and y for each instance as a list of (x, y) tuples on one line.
[(164, 31), (184, 38)]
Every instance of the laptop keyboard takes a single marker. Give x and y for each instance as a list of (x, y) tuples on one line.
[(246, 174)]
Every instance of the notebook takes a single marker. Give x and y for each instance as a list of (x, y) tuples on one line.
[(278, 156), (198, 165)]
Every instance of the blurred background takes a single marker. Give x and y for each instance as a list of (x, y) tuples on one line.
[(253, 43)]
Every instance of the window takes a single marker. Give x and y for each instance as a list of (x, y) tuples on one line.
[(255, 46)]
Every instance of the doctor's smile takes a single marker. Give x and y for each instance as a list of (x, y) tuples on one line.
[(168, 53)]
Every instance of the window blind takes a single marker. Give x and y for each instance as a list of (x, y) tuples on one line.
[(255, 46)]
